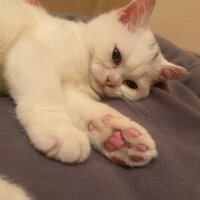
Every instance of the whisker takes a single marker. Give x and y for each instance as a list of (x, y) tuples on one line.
[(135, 106), (193, 64)]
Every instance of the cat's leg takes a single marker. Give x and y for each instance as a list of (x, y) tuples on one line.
[(11, 191), (120, 139), (40, 109), (41, 112)]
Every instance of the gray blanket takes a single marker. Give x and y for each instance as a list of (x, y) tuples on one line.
[(173, 119)]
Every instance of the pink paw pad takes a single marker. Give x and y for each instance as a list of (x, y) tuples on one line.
[(90, 126), (141, 147), (133, 132), (115, 142), (108, 117)]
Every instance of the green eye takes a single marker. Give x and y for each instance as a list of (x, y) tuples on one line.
[(116, 56), (131, 84)]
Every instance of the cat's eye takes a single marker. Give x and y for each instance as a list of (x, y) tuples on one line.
[(131, 84), (116, 56)]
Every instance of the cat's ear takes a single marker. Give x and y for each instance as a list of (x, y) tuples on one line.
[(33, 2), (136, 13), (170, 71)]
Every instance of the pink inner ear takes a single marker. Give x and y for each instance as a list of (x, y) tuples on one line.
[(137, 13), (172, 72), (33, 2)]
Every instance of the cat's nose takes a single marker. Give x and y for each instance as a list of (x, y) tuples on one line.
[(110, 82)]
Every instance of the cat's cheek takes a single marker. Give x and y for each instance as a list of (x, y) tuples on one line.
[(112, 92), (133, 94), (128, 93), (96, 87), (142, 93)]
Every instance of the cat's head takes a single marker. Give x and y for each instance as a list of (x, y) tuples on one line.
[(125, 57)]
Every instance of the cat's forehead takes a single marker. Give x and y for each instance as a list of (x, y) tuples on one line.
[(137, 47)]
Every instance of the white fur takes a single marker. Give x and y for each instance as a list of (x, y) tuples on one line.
[(11, 191), (46, 58), (56, 72)]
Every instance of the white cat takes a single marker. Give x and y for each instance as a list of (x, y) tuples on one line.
[(57, 71)]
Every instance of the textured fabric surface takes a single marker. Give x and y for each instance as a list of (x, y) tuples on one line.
[(173, 119)]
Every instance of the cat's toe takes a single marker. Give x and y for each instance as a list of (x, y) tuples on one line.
[(72, 149), (75, 149), (68, 147)]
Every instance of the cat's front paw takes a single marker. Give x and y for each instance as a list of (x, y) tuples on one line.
[(69, 146), (121, 140)]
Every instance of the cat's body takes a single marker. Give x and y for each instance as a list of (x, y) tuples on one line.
[(57, 70), (10, 191)]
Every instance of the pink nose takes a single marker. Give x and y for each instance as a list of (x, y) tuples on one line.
[(110, 82)]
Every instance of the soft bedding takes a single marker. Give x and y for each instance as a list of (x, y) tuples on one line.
[(172, 116)]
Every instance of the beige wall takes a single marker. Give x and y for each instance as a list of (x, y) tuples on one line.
[(84, 7), (176, 20)]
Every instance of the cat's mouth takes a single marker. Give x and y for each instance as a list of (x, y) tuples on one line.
[(103, 89)]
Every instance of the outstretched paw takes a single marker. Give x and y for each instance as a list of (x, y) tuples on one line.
[(122, 141)]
